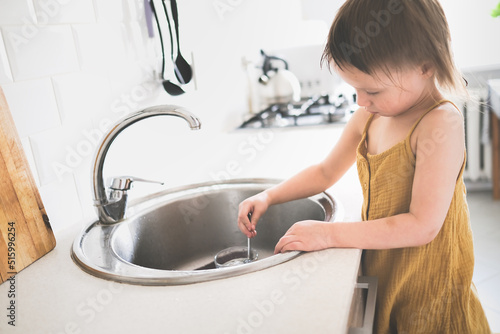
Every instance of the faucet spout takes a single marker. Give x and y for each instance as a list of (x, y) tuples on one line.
[(111, 208)]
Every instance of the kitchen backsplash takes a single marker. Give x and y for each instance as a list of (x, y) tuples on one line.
[(71, 68)]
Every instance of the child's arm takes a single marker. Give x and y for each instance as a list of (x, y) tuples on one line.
[(440, 155), (310, 181)]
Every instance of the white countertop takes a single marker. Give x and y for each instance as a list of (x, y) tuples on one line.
[(309, 294)]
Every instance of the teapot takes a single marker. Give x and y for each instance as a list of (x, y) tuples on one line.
[(279, 85)]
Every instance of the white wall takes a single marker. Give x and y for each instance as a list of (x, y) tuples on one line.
[(69, 68), (475, 34)]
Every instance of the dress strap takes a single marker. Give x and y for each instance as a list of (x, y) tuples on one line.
[(430, 109), (367, 124)]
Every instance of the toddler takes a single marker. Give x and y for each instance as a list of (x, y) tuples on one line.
[(408, 143)]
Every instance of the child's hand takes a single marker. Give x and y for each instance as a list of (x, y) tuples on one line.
[(250, 210), (306, 235)]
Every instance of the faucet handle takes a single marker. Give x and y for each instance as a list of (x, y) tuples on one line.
[(125, 182)]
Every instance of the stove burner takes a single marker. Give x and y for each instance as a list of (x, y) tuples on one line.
[(312, 111)]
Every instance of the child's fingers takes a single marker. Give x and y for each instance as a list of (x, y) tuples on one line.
[(253, 218), (244, 224), (249, 213)]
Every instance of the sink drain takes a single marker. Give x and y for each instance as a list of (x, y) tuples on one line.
[(234, 256)]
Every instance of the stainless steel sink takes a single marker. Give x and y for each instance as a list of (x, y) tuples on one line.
[(172, 237)]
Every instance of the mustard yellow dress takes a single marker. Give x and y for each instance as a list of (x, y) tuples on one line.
[(425, 289)]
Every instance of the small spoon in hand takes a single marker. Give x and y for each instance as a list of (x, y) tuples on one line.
[(249, 258)]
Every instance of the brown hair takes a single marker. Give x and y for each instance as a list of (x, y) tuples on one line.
[(393, 34)]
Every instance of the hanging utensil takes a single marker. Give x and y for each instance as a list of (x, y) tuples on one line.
[(184, 72), (148, 13), (170, 87), (176, 69)]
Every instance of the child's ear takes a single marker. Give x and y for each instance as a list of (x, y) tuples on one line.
[(428, 69)]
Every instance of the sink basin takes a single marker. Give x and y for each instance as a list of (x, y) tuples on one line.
[(172, 237)]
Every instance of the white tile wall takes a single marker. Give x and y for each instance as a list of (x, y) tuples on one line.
[(101, 46), (40, 51), (132, 91), (82, 181), (134, 10), (60, 151), (65, 209), (5, 74), (67, 11), (109, 10), (33, 106), (138, 46), (20, 12), (31, 161), (82, 96)]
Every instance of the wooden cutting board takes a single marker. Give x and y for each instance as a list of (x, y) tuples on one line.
[(25, 232)]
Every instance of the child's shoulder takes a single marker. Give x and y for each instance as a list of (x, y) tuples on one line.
[(444, 124), (359, 119), (446, 116)]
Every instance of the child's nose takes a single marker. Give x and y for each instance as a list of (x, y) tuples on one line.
[(362, 99)]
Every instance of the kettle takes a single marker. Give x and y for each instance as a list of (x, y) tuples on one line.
[(279, 85)]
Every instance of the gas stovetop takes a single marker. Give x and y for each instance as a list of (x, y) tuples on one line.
[(317, 110)]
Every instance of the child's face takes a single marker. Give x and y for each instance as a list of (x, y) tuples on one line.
[(380, 95)]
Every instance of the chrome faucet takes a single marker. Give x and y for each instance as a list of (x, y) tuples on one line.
[(111, 208)]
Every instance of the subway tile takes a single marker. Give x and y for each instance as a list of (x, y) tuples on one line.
[(33, 106), (60, 151), (81, 95), (134, 10), (20, 12), (5, 74), (44, 51), (61, 203), (134, 85), (31, 160), (109, 10), (101, 46), (138, 43), (49, 155), (84, 190), (57, 12)]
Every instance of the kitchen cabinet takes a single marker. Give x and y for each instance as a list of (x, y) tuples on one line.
[(362, 312)]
